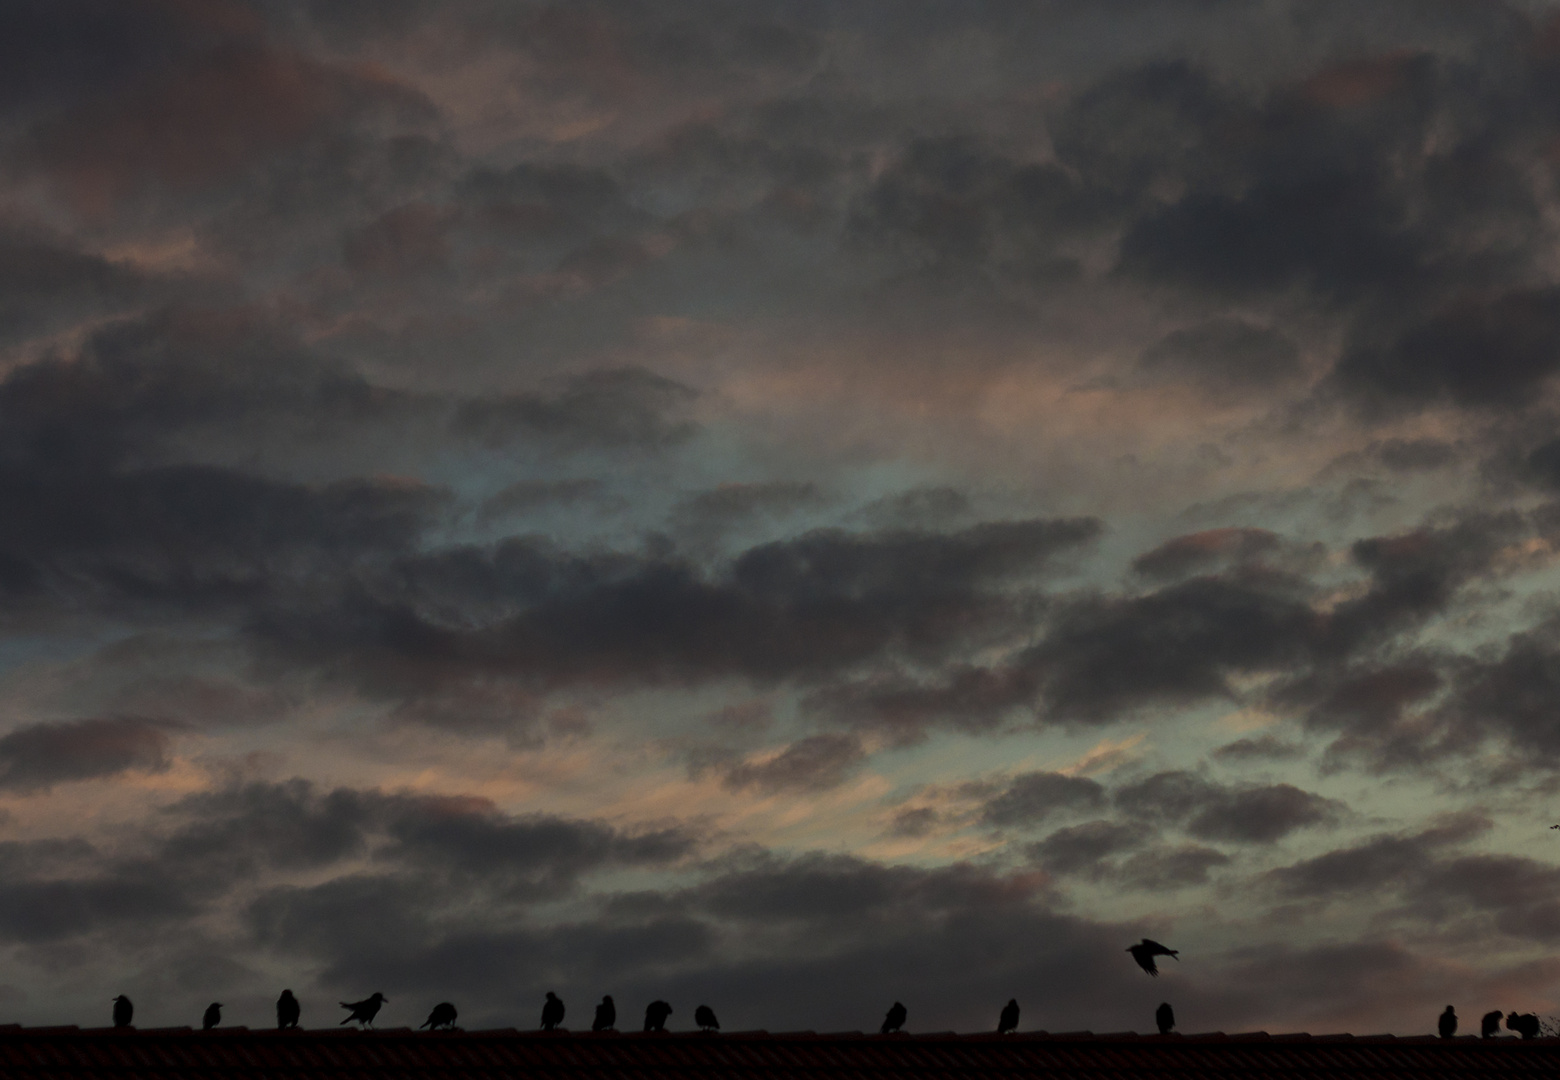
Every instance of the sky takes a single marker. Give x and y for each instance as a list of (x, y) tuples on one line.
[(781, 504)]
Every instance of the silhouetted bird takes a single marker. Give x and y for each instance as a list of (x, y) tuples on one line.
[(1008, 1021), (1489, 1027), (704, 1016), (213, 1016), (364, 1011), (655, 1015), (895, 1018), (1144, 955), (606, 1015), (123, 1011), (287, 1010), (1164, 1016), (443, 1016), (552, 1011), (1525, 1025), (1447, 1025)]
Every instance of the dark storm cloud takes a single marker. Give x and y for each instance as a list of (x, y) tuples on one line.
[(1385, 861), (37, 757), (1084, 848), (47, 282), (815, 763), (629, 407), (1265, 747), (731, 505), (1032, 797), (1224, 354), (1199, 552), (1243, 814)]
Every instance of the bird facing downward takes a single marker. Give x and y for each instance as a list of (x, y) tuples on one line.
[(443, 1016), (606, 1015), (1447, 1025), (552, 1011), (1008, 1021), (704, 1016), (655, 1015), (1525, 1025), (213, 1016), (1145, 952), (364, 1011), (895, 1018), (1489, 1027), (1164, 1016), (287, 1010), (123, 1011)]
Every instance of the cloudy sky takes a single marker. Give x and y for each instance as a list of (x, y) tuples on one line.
[(787, 504)]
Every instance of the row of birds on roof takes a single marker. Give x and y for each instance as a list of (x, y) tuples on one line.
[(1524, 1024)]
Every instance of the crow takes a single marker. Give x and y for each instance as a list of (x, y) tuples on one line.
[(1144, 955), (443, 1016), (704, 1016), (1489, 1027), (655, 1015), (364, 1011), (1164, 1016), (213, 1016), (1525, 1025), (1008, 1021), (895, 1018), (606, 1015), (1447, 1025), (287, 1010), (123, 1011), (552, 1011)]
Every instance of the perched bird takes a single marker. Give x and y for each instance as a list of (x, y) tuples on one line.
[(1525, 1024), (655, 1015), (704, 1016), (552, 1011), (1447, 1025), (364, 1011), (213, 1016), (123, 1011), (606, 1015), (1144, 955), (443, 1016), (1489, 1027), (287, 1010), (1164, 1016), (1008, 1021), (895, 1018)]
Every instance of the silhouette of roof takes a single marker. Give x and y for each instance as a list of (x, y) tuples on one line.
[(483, 1055)]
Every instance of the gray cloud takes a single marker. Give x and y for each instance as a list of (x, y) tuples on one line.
[(37, 757), (815, 763), (1032, 797), (1253, 814)]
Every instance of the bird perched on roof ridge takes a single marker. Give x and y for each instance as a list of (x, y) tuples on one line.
[(1489, 1027), (895, 1018), (287, 1010), (123, 1011), (212, 1017), (364, 1011), (1525, 1024), (1145, 952), (1008, 1021), (1447, 1024), (704, 1016), (1164, 1016), (552, 1011), (442, 1016), (606, 1014), (655, 1015)]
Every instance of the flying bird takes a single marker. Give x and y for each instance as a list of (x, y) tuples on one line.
[(1447, 1025), (1008, 1021), (895, 1018), (123, 1011), (552, 1011), (443, 1016), (1489, 1027), (1144, 955), (1525, 1025), (213, 1016), (655, 1015), (287, 1010), (704, 1016), (364, 1011), (606, 1015), (1164, 1016)]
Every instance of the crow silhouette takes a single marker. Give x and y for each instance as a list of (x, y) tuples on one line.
[(704, 1016), (1008, 1021), (1144, 955), (123, 1011), (287, 1010), (1525, 1024), (895, 1018), (1489, 1027), (606, 1015), (213, 1016), (1164, 1016), (552, 1011), (443, 1016), (655, 1015), (364, 1011), (1447, 1024)]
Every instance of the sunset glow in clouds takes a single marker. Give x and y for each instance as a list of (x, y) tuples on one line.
[(789, 505)]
